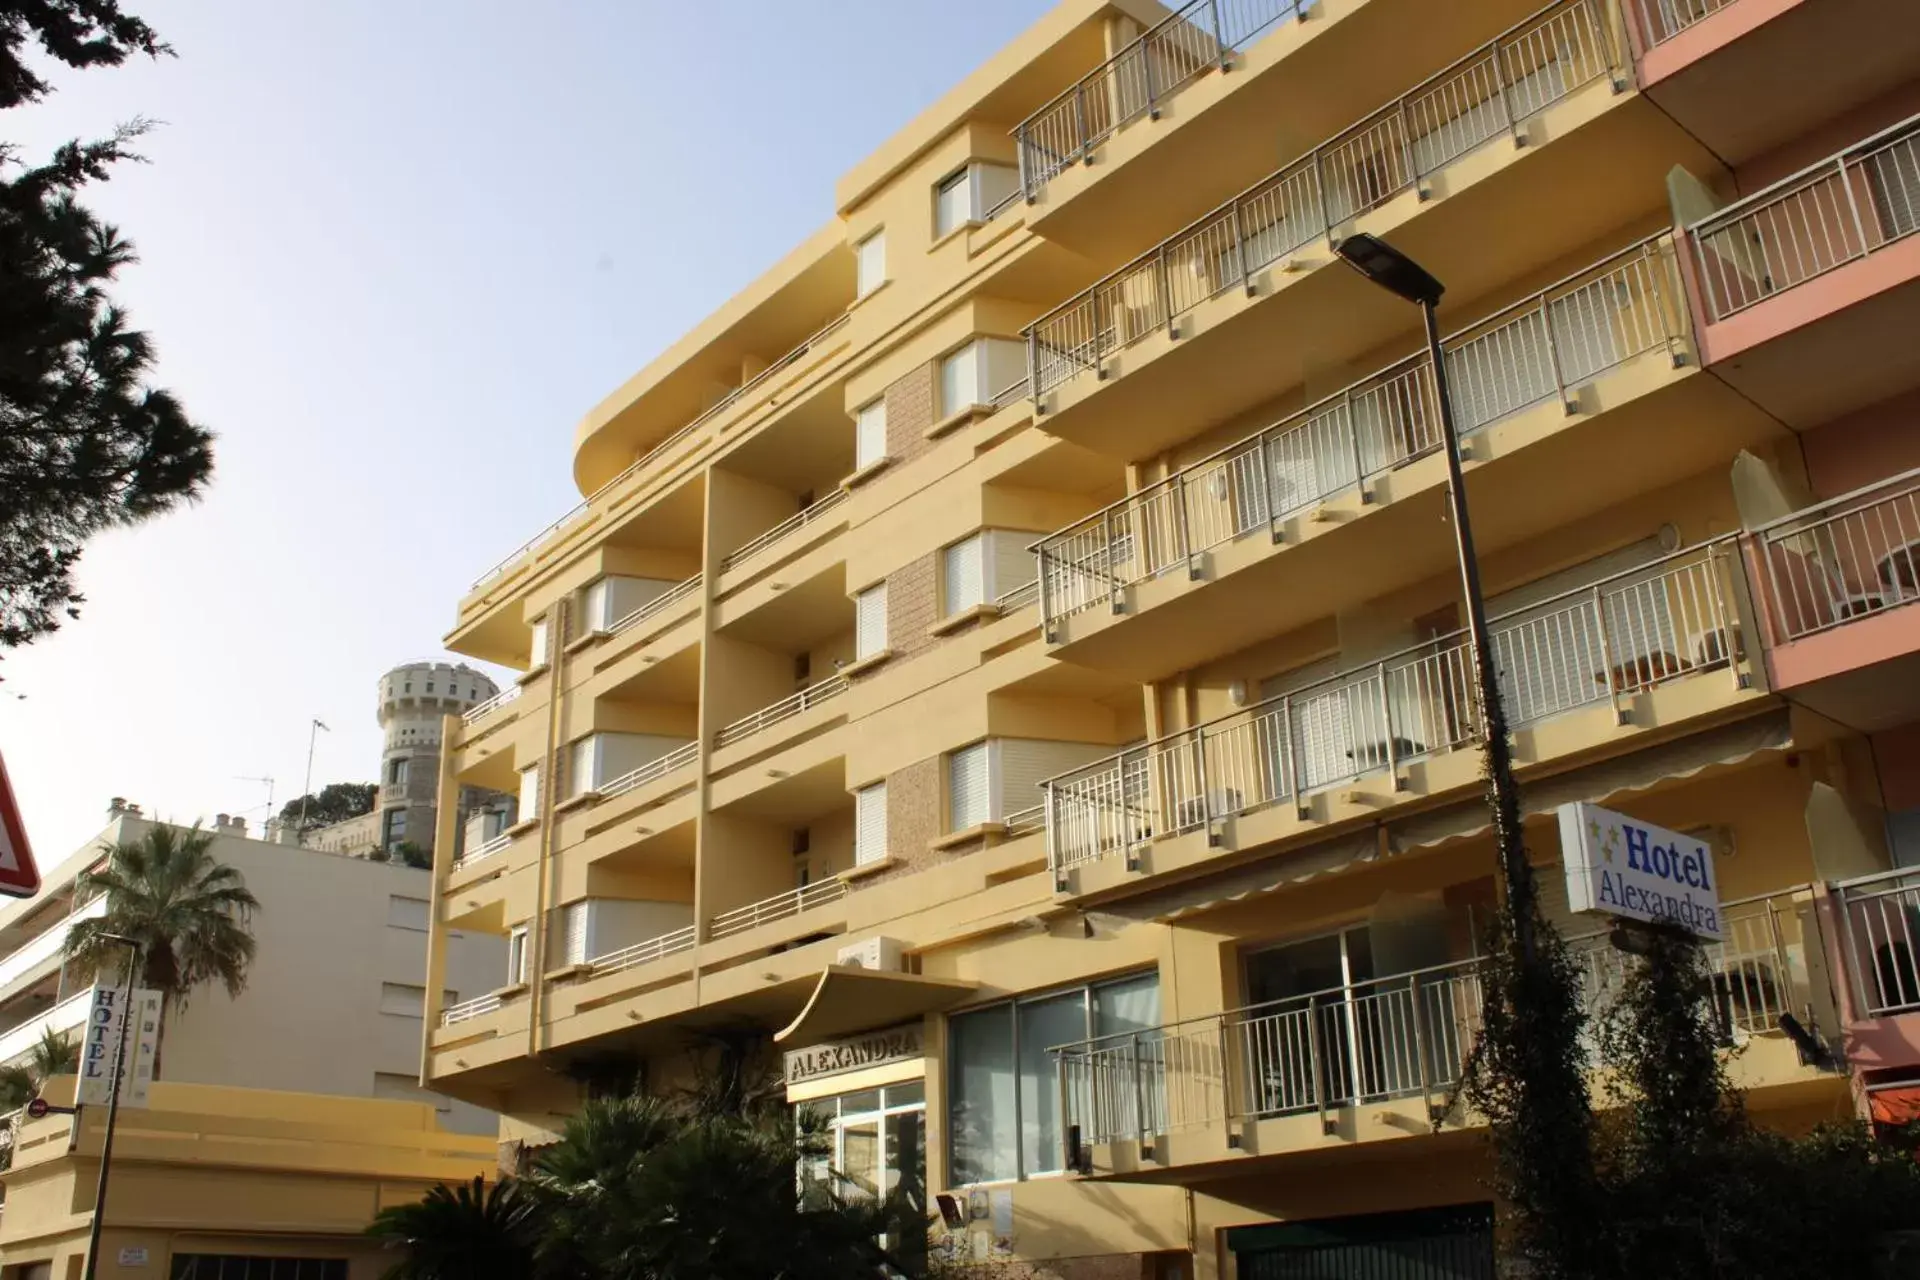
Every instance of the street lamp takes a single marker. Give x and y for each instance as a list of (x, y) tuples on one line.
[(1400, 275), (113, 1098)]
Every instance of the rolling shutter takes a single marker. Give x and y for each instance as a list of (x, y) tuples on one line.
[(869, 434), (529, 793), (870, 621), (969, 791), (870, 824), (573, 930), (963, 575)]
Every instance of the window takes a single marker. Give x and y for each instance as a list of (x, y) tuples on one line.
[(960, 380), (573, 932), (870, 621), (517, 955), (875, 1139), (234, 1266), (406, 913), (403, 999), (963, 576), (953, 203), (969, 790), (393, 827), (1003, 1117), (429, 686), (870, 264), (397, 772), (869, 434), (537, 653), (978, 372), (529, 793), (585, 762), (870, 824)]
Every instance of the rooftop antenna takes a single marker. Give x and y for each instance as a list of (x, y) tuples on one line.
[(306, 792), (241, 777)]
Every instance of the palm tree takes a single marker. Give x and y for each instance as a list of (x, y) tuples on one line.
[(468, 1232), (190, 914), (21, 1082)]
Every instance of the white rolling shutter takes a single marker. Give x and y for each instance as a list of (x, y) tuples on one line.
[(529, 792), (585, 773), (573, 931), (960, 379), (517, 955), (869, 434), (538, 655), (870, 621), (870, 824), (963, 575), (953, 202), (595, 611), (969, 788), (870, 264)]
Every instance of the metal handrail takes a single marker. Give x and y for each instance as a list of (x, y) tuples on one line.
[(811, 696), (1488, 94), (482, 851), (705, 416), (1836, 211), (480, 710), (1617, 636), (1842, 559), (643, 952), (652, 608), (780, 906), (1019, 597), (792, 524), (1662, 20), (467, 1010), (1540, 348), (1023, 821), (658, 767), (1880, 918), (1181, 47)]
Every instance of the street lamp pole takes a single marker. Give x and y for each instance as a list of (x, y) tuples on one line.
[(113, 1102), (1398, 274)]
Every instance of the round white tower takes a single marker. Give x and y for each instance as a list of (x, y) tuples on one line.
[(413, 700)]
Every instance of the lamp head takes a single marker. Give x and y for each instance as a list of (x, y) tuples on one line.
[(1391, 269)]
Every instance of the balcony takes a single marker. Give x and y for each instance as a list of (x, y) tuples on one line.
[(481, 719), (42, 954), (1835, 582), (784, 530), (1819, 270), (481, 852), (781, 906), (68, 1015), (647, 952), (1293, 1074), (1605, 645), (780, 712)]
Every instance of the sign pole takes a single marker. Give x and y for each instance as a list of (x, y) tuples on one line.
[(113, 1106)]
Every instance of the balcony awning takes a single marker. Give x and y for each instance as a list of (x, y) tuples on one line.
[(1894, 1103), (849, 998), (1603, 782)]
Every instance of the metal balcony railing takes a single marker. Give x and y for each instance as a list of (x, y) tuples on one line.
[(482, 851), (779, 907), (1662, 20), (481, 710), (1404, 1036), (1880, 923), (1196, 38), (1677, 616), (1019, 597), (643, 953), (658, 767), (1025, 821), (791, 525), (733, 397), (1802, 227), (656, 606), (1846, 558), (1538, 350), (785, 709), (1484, 96), (467, 1010)]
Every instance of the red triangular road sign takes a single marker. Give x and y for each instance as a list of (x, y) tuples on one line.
[(19, 877)]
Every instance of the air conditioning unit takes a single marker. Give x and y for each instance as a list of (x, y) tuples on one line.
[(880, 954)]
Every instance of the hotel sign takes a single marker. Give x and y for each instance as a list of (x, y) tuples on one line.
[(854, 1053), (1620, 866)]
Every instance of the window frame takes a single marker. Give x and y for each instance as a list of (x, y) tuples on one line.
[(965, 178), (518, 944), (868, 858), (870, 450), (864, 645), (874, 242), (985, 748)]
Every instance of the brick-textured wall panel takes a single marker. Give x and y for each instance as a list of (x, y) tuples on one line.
[(913, 818), (910, 411), (911, 606), (1112, 1266)]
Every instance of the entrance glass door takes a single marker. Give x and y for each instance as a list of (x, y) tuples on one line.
[(1302, 1044)]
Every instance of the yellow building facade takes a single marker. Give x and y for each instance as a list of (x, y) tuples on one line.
[(1012, 652), (216, 1183)]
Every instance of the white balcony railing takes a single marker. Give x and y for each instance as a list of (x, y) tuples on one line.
[(785, 529), (779, 907), (1840, 210), (785, 709), (1539, 350), (1404, 1036), (658, 767), (481, 710), (1880, 920), (1486, 95), (1850, 557), (468, 1010), (643, 952), (482, 851), (1018, 598), (1596, 645), (1662, 20), (656, 606), (66, 1016), (726, 402), (47, 945), (1200, 36)]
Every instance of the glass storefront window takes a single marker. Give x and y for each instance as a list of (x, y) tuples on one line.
[(874, 1140)]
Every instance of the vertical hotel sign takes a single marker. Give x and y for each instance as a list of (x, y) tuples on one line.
[(107, 1018), (1620, 866)]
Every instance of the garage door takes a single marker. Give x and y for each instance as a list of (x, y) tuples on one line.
[(1452, 1243)]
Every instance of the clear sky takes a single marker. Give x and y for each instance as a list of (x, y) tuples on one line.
[(391, 253)]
